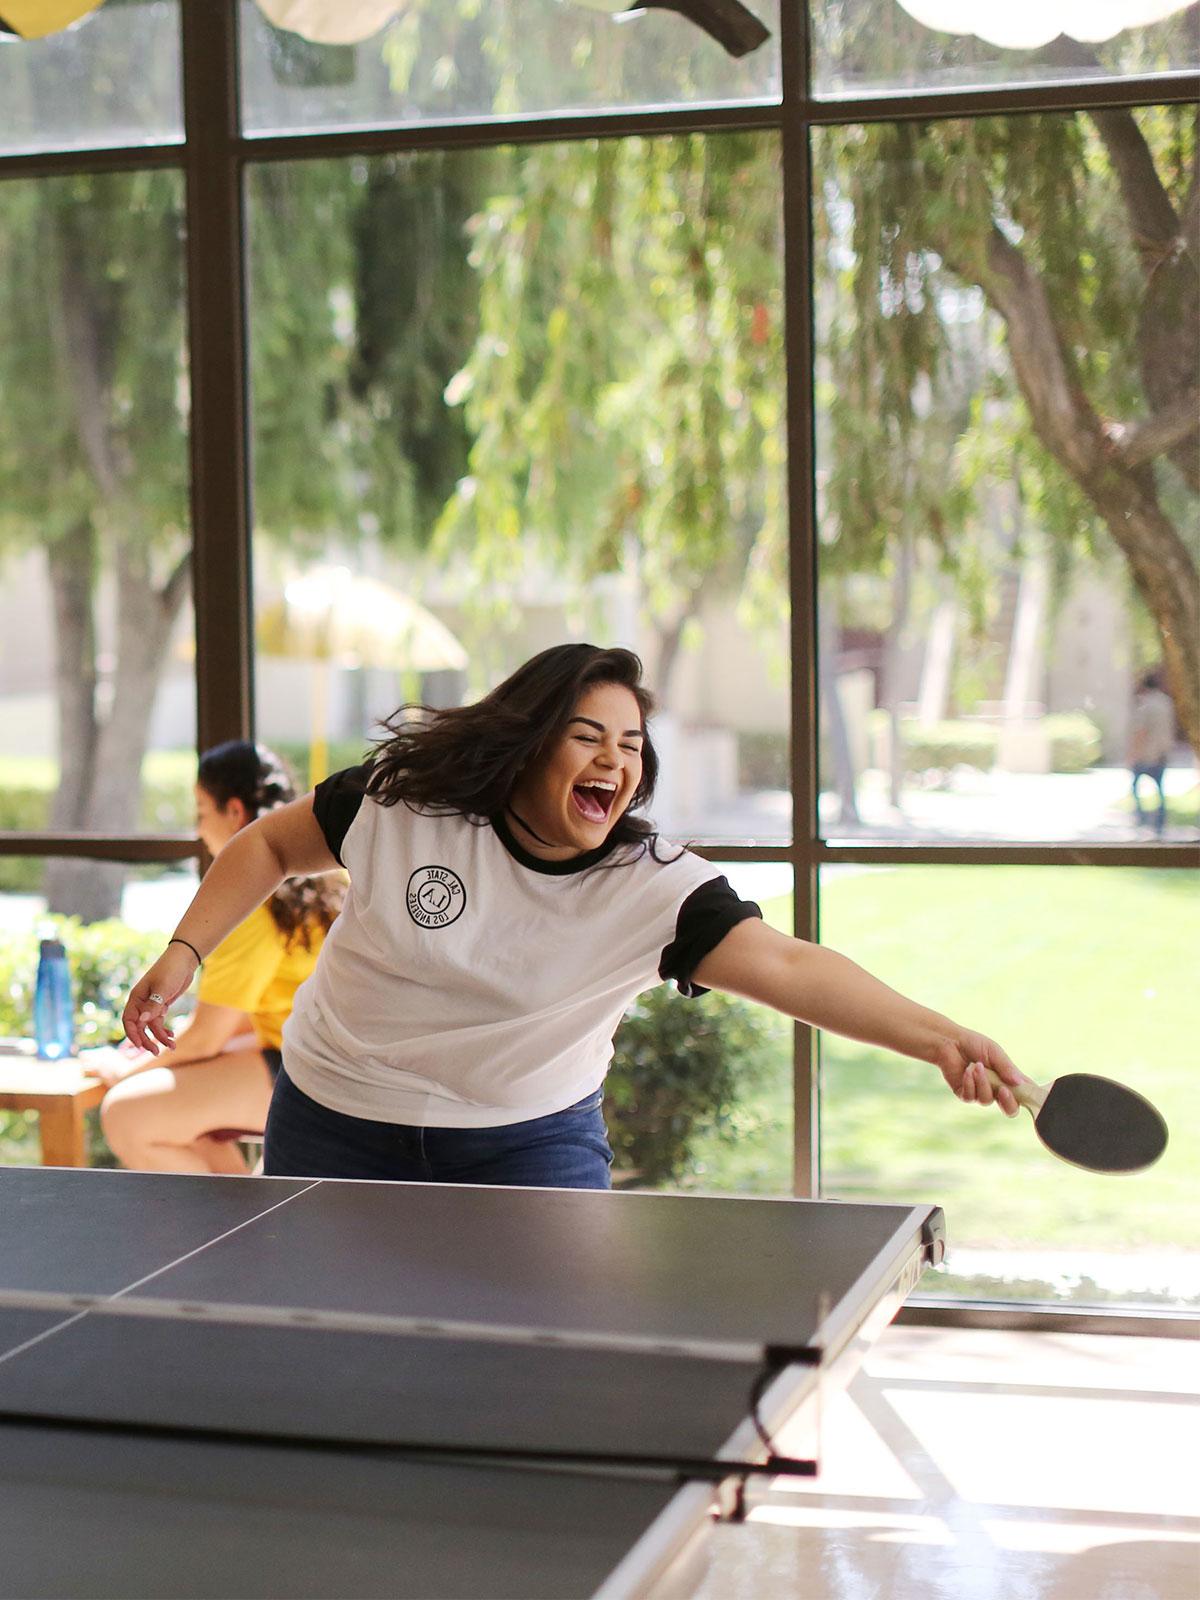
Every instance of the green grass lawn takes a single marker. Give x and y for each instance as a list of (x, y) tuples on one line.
[(1071, 970)]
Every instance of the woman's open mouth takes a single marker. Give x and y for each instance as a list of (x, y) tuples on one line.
[(594, 801)]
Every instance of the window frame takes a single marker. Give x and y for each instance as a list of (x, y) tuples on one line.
[(214, 156)]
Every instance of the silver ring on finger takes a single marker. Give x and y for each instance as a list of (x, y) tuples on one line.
[(157, 999)]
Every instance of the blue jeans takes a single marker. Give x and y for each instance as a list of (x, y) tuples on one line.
[(1154, 771), (566, 1150)]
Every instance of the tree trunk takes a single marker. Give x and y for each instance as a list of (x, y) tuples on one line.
[(1124, 495), (99, 760), (71, 568), (892, 660), (145, 620), (841, 756)]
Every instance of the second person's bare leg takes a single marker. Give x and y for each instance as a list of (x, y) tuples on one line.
[(159, 1120)]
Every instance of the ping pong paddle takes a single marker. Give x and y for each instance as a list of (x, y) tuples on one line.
[(1093, 1122)]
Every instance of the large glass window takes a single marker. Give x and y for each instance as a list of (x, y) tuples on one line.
[(446, 61), (506, 395), (111, 79), (1072, 970), (1007, 347), (510, 397), (97, 718), (898, 46)]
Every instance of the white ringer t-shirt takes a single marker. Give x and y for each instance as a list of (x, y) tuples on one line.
[(469, 984)]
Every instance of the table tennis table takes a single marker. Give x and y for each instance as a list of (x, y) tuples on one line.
[(282, 1387)]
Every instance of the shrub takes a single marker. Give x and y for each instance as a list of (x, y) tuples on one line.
[(23, 809), (948, 744), (1075, 741), (106, 959), (167, 805), (342, 753), (679, 1069)]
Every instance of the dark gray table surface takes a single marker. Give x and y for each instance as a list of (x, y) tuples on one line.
[(98, 1514)]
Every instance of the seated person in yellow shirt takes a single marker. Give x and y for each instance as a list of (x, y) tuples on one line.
[(162, 1111)]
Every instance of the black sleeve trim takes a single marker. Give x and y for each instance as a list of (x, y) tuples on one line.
[(705, 917), (336, 803)]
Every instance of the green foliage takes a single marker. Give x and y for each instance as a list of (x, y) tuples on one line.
[(22, 810), (929, 236), (342, 753), (1077, 1290), (679, 1071), (27, 790), (624, 396), (106, 959), (1075, 741), (942, 744), (93, 429)]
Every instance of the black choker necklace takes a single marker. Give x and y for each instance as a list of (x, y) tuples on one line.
[(530, 831)]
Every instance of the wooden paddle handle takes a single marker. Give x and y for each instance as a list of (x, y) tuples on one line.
[(1028, 1094)]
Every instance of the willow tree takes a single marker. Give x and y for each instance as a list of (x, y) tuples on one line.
[(624, 397), (93, 469), (94, 458), (1082, 235)]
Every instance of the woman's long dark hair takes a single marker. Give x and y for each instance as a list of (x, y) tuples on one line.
[(258, 778), (466, 759)]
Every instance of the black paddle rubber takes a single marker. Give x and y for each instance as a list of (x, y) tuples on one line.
[(1100, 1124)]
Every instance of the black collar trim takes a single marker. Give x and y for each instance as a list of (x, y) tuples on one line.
[(554, 869)]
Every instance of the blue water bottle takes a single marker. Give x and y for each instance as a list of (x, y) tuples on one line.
[(53, 1014)]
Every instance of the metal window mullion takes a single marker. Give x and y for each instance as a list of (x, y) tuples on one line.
[(116, 158), (500, 132), (101, 846), (930, 105), (801, 512), (925, 105), (217, 371)]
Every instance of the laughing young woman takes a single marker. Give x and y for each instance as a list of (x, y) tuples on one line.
[(508, 901)]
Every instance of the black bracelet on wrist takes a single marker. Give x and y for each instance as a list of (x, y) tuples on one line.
[(191, 947)]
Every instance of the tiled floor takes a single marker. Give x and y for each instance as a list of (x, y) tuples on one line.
[(968, 1465)]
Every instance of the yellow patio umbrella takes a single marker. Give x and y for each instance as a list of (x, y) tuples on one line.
[(334, 617), (36, 19)]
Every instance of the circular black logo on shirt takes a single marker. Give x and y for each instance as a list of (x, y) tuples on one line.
[(436, 897)]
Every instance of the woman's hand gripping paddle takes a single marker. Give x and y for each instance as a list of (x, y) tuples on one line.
[(1093, 1122)]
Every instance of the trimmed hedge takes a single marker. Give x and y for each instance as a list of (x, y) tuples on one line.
[(953, 743), (27, 790), (106, 958), (1075, 741)]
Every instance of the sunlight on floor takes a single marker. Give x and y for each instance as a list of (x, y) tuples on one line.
[(973, 1465)]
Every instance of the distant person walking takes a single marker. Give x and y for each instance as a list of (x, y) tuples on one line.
[(1150, 739)]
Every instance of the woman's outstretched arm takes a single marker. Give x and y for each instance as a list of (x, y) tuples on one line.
[(286, 843), (817, 985)]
